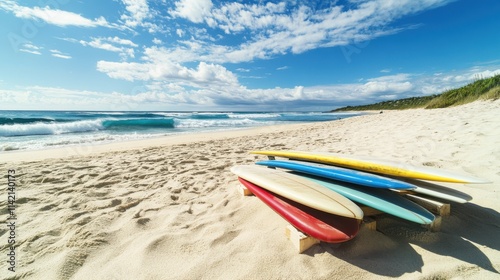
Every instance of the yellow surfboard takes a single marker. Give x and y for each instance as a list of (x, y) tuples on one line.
[(377, 166)]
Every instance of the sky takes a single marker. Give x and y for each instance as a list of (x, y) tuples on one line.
[(209, 55)]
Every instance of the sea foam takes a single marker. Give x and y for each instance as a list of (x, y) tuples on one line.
[(43, 128)]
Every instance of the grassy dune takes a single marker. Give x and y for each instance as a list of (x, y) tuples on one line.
[(482, 89)]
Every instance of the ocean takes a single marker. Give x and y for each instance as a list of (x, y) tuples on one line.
[(35, 130)]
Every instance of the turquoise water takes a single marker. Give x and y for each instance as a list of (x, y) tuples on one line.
[(28, 130)]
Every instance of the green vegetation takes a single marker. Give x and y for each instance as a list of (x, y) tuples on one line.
[(406, 103), (481, 89)]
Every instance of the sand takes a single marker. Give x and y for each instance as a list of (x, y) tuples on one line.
[(168, 208)]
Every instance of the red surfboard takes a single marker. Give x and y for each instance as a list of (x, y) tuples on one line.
[(323, 226)]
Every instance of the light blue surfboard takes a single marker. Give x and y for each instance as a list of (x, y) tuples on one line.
[(386, 201), (340, 174)]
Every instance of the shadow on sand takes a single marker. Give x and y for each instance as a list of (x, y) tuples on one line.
[(389, 251)]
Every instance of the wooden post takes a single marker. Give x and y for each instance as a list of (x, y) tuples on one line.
[(435, 226), (300, 241), (244, 191), (436, 207), (439, 208), (370, 223), (368, 211)]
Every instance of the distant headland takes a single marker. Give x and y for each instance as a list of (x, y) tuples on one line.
[(483, 89)]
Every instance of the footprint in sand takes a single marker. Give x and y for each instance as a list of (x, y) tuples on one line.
[(143, 221), (74, 216), (48, 207), (225, 238)]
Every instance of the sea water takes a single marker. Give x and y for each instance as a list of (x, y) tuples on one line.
[(33, 130)]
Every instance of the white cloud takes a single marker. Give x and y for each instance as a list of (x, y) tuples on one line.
[(205, 75), (59, 54), (373, 87), (193, 10), (215, 84), (270, 29), (30, 48), (53, 16), (34, 97), (129, 71), (441, 82), (120, 41), (124, 47), (187, 52), (275, 29), (138, 11), (330, 96), (473, 74), (180, 87), (30, 51), (236, 17), (234, 32)]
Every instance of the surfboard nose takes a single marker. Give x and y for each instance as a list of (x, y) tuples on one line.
[(299, 189)]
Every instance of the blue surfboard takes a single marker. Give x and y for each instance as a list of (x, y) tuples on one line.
[(386, 201), (340, 174)]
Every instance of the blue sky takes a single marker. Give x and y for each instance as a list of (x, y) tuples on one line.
[(241, 55)]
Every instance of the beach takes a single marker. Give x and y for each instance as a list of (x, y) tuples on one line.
[(168, 207)]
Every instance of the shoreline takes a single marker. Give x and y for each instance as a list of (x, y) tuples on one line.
[(120, 146), (170, 209), (52, 130)]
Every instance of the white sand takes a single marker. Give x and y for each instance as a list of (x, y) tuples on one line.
[(169, 209)]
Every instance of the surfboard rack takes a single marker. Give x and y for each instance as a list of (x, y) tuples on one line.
[(439, 209), (369, 223), (300, 241), (244, 191), (436, 207)]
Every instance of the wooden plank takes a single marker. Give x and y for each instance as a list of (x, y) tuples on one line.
[(370, 223), (368, 211), (244, 191), (436, 207), (300, 241), (403, 192), (435, 226)]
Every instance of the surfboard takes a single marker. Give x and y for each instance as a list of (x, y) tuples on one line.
[(377, 166), (340, 174), (323, 226), (438, 191), (383, 200), (299, 189)]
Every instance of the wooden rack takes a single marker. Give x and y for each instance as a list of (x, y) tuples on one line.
[(301, 242)]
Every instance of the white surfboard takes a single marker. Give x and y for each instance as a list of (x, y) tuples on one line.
[(438, 191), (299, 189)]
